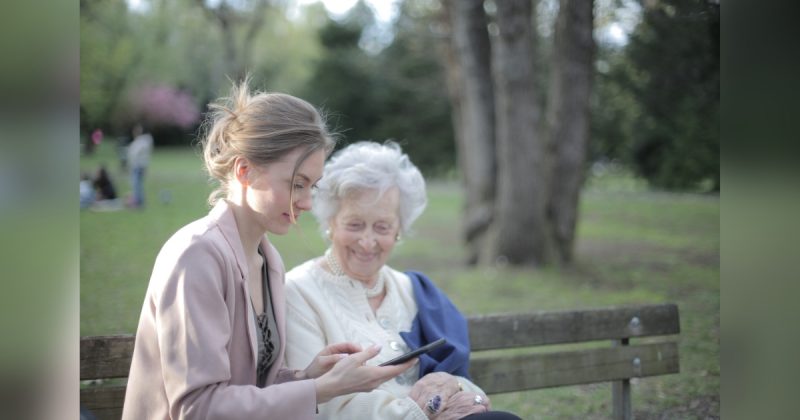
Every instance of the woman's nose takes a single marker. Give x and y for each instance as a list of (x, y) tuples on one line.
[(367, 240), (304, 203)]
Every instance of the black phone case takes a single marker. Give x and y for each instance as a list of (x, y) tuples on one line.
[(414, 353)]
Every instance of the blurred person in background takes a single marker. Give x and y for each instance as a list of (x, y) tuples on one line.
[(87, 193), (139, 152), (103, 185), (106, 197)]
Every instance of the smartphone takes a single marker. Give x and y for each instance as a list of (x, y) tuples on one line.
[(414, 353)]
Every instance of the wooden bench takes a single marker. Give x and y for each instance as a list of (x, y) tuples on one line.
[(529, 367)]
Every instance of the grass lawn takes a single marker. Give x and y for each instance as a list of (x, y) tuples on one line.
[(633, 246)]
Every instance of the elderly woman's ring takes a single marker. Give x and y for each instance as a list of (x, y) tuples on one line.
[(434, 404), (478, 400)]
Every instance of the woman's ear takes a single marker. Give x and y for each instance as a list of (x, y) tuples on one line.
[(330, 229), (241, 170)]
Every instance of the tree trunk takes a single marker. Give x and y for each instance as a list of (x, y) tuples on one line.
[(568, 118), (471, 94), (519, 232), (237, 52)]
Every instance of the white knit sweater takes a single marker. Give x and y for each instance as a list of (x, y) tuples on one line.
[(325, 309)]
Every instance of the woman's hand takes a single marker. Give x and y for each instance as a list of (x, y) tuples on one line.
[(350, 374), (442, 384), (462, 404), (329, 356)]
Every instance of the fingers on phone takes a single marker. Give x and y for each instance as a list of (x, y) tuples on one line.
[(366, 354)]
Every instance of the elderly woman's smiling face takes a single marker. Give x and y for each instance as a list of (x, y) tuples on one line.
[(364, 232)]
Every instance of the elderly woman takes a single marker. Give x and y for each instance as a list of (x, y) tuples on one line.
[(368, 197)]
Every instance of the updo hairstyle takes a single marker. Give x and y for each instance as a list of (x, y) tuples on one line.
[(261, 127)]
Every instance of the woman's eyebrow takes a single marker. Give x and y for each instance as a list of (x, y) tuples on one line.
[(307, 179)]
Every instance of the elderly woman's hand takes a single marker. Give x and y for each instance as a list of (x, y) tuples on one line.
[(462, 404), (425, 390)]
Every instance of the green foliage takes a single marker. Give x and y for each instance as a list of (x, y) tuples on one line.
[(284, 52), (657, 107), (679, 93), (179, 48), (416, 106), (614, 110), (398, 93), (108, 52), (342, 67), (175, 44)]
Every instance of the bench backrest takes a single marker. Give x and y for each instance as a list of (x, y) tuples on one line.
[(534, 369), (105, 357)]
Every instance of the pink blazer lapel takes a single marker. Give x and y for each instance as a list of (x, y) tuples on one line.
[(223, 217), (276, 283)]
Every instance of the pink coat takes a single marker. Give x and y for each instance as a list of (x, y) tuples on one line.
[(195, 352)]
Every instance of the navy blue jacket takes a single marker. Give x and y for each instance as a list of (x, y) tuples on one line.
[(437, 317)]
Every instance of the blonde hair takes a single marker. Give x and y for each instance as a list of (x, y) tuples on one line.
[(261, 127)]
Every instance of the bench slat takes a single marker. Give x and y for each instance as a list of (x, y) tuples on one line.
[(106, 356), (110, 356), (522, 330), (504, 373), (104, 402), (545, 370)]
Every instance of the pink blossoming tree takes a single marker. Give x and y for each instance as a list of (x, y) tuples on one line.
[(162, 105)]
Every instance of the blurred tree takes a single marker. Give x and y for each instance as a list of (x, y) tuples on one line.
[(159, 105), (343, 78), (122, 52), (285, 51), (519, 229), (568, 120), (411, 91), (178, 50), (239, 25), (614, 109), (169, 45), (468, 55), (396, 93), (675, 50), (539, 162), (657, 99), (108, 56)]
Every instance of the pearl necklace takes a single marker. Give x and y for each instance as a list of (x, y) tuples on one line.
[(336, 269)]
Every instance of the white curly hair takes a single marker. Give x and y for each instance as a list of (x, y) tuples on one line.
[(370, 166)]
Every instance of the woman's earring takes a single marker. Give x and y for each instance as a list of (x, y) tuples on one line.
[(328, 233), (397, 237)]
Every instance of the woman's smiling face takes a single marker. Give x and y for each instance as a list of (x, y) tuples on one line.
[(364, 232)]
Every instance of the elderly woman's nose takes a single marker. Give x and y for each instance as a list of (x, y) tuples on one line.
[(367, 240)]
